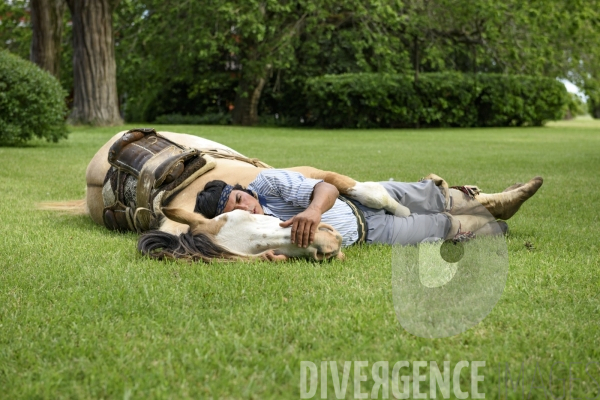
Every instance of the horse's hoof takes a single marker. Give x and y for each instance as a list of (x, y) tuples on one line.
[(503, 227), (401, 211)]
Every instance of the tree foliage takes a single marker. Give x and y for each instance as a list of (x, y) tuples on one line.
[(270, 49), (15, 31), (254, 56)]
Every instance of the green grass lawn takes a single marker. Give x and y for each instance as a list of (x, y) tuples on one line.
[(83, 315)]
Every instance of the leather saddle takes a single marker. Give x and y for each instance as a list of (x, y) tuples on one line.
[(147, 169)]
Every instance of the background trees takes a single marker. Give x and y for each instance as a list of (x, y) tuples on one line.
[(252, 58), (15, 31), (47, 30), (94, 69)]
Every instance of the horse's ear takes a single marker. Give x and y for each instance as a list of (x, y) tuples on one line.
[(184, 217)]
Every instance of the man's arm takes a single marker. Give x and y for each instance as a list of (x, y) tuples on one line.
[(304, 225)]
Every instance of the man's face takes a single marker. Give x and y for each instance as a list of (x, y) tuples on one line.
[(240, 200)]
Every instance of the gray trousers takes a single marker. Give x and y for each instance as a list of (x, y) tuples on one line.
[(425, 224)]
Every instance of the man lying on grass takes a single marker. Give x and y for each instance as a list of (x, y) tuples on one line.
[(437, 212)]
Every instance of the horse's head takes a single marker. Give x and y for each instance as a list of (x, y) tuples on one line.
[(252, 234)]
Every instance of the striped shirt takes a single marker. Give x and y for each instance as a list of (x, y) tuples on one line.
[(287, 194)]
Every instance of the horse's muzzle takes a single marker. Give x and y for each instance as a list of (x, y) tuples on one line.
[(327, 244)]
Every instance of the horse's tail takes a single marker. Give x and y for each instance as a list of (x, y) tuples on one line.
[(162, 245), (73, 207)]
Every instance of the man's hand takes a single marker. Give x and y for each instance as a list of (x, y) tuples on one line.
[(304, 226)]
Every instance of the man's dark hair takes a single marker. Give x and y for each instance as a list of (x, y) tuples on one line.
[(208, 199)]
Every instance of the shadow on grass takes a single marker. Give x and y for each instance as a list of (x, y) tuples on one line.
[(33, 144)]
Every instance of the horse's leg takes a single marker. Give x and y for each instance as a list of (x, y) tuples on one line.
[(494, 228), (501, 205), (465, 226), (370, 194)]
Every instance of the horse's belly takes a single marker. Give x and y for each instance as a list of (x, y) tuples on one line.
[(196, 142)]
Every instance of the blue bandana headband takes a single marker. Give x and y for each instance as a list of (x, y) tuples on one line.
[(223, 199)]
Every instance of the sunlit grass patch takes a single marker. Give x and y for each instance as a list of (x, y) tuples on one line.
[(83, 315)]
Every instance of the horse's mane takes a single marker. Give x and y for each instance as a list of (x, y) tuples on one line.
[(162, 245)]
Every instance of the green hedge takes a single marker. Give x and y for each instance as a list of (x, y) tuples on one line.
[(206, 119), (517, 100), (32, 102), (435, 100)]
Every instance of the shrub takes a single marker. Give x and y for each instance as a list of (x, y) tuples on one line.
[(517, 100), (206, 119), (435, 99), (447, 99), (361, 100), (32, 102)]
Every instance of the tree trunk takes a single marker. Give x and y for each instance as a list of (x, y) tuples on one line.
[(94, 69), (245, 111), (47, 29)]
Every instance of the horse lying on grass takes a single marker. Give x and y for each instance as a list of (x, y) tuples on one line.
[(173, 230), (236, 235)]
